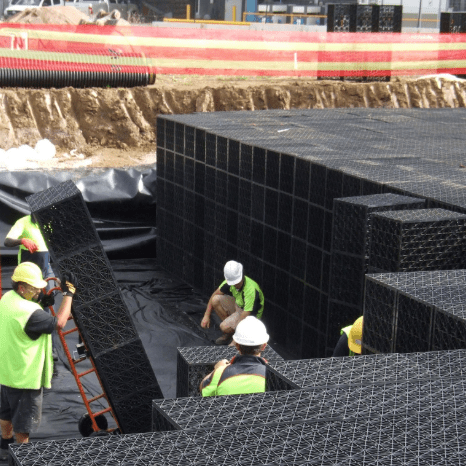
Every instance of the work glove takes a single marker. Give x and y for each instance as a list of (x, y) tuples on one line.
[(69, 282), (46, 300), (30, 245)]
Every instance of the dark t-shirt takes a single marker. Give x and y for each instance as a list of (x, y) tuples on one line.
[(40, 322)]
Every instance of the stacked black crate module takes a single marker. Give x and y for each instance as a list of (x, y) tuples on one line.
[(404, 241), (346, 17), (351, 244), (453, 23), (99, 310), (426, 310)]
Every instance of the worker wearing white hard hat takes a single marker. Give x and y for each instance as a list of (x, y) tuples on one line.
[(245, 373), (235, 299)]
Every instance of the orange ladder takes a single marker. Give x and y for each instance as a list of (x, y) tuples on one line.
[(92, 421)]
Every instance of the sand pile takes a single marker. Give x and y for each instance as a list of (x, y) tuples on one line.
[(50, 15)]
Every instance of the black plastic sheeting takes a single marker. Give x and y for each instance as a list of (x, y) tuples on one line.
[(122, 204), (165, 310)]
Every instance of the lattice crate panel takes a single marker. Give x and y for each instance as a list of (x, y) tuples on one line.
[(134, 412), (449, 328), (352, 219), (317, 403), (366, 18), (420, 239), (410, 281), (347, 278), (194, 363), (379, 368), (64, 219), (94, 274), (400, 440), (125, 370), (379, 316), (413, 325), (390, 18), (105, 324)]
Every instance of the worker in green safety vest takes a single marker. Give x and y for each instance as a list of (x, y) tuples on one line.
[(245, 373), (26, 350), (26, 234), (235, 299), (350, 340)]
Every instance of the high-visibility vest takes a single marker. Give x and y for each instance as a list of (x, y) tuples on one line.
[(24, 363), (347, 331), (245, 374)]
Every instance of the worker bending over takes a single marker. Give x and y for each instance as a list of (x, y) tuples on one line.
[(235, 299), (349, 343), (26, 234), (245, 373), (26, 350)]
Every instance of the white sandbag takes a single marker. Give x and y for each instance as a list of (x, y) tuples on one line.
[(45, 150)]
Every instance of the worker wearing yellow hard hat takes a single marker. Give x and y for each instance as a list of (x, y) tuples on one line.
[(350, 340), (26, 350)]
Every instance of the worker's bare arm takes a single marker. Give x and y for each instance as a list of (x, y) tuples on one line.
[(205, 323)]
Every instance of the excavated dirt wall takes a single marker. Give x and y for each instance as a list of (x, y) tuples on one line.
[(117, 126)]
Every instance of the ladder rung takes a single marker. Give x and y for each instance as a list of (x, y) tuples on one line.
[(96, 398), (106, 410), (76, 361), (86, 372), (70, 331)]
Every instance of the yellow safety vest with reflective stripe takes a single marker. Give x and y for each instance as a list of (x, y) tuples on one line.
[(246, 374), (347, 331)]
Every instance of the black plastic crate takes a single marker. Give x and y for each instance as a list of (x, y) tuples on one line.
[(194, 363), (453, 23), (425, 239), (341, 17), (367, 369), (64, 220), (105, 324)]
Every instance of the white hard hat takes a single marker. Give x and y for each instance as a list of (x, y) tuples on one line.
[(233, 272), (251, 332)]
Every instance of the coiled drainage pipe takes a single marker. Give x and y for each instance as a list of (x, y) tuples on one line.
[(38, 69)]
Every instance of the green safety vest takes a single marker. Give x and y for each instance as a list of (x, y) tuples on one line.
[(24, 363), (246, 374), (249, 298), (347, 331), (25, 228)]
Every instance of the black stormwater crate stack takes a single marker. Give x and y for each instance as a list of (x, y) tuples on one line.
[(368, 369), (195, 362), (99, 310), (345, 17), (413, 311), (259, 188), (351, 243), (315, 404), (395, 439), (428, 239), (453, 23)]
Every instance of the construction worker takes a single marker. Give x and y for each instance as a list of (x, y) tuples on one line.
[(26, 351), (349, 343), (245, 373), (235, 299), (26, 234)]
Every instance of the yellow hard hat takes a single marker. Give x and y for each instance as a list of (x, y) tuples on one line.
[(29, 273), (355, 336)]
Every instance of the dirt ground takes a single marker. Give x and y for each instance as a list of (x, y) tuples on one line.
[(116, 127)]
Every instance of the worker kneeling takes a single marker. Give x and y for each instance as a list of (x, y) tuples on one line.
[(245, 373)]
